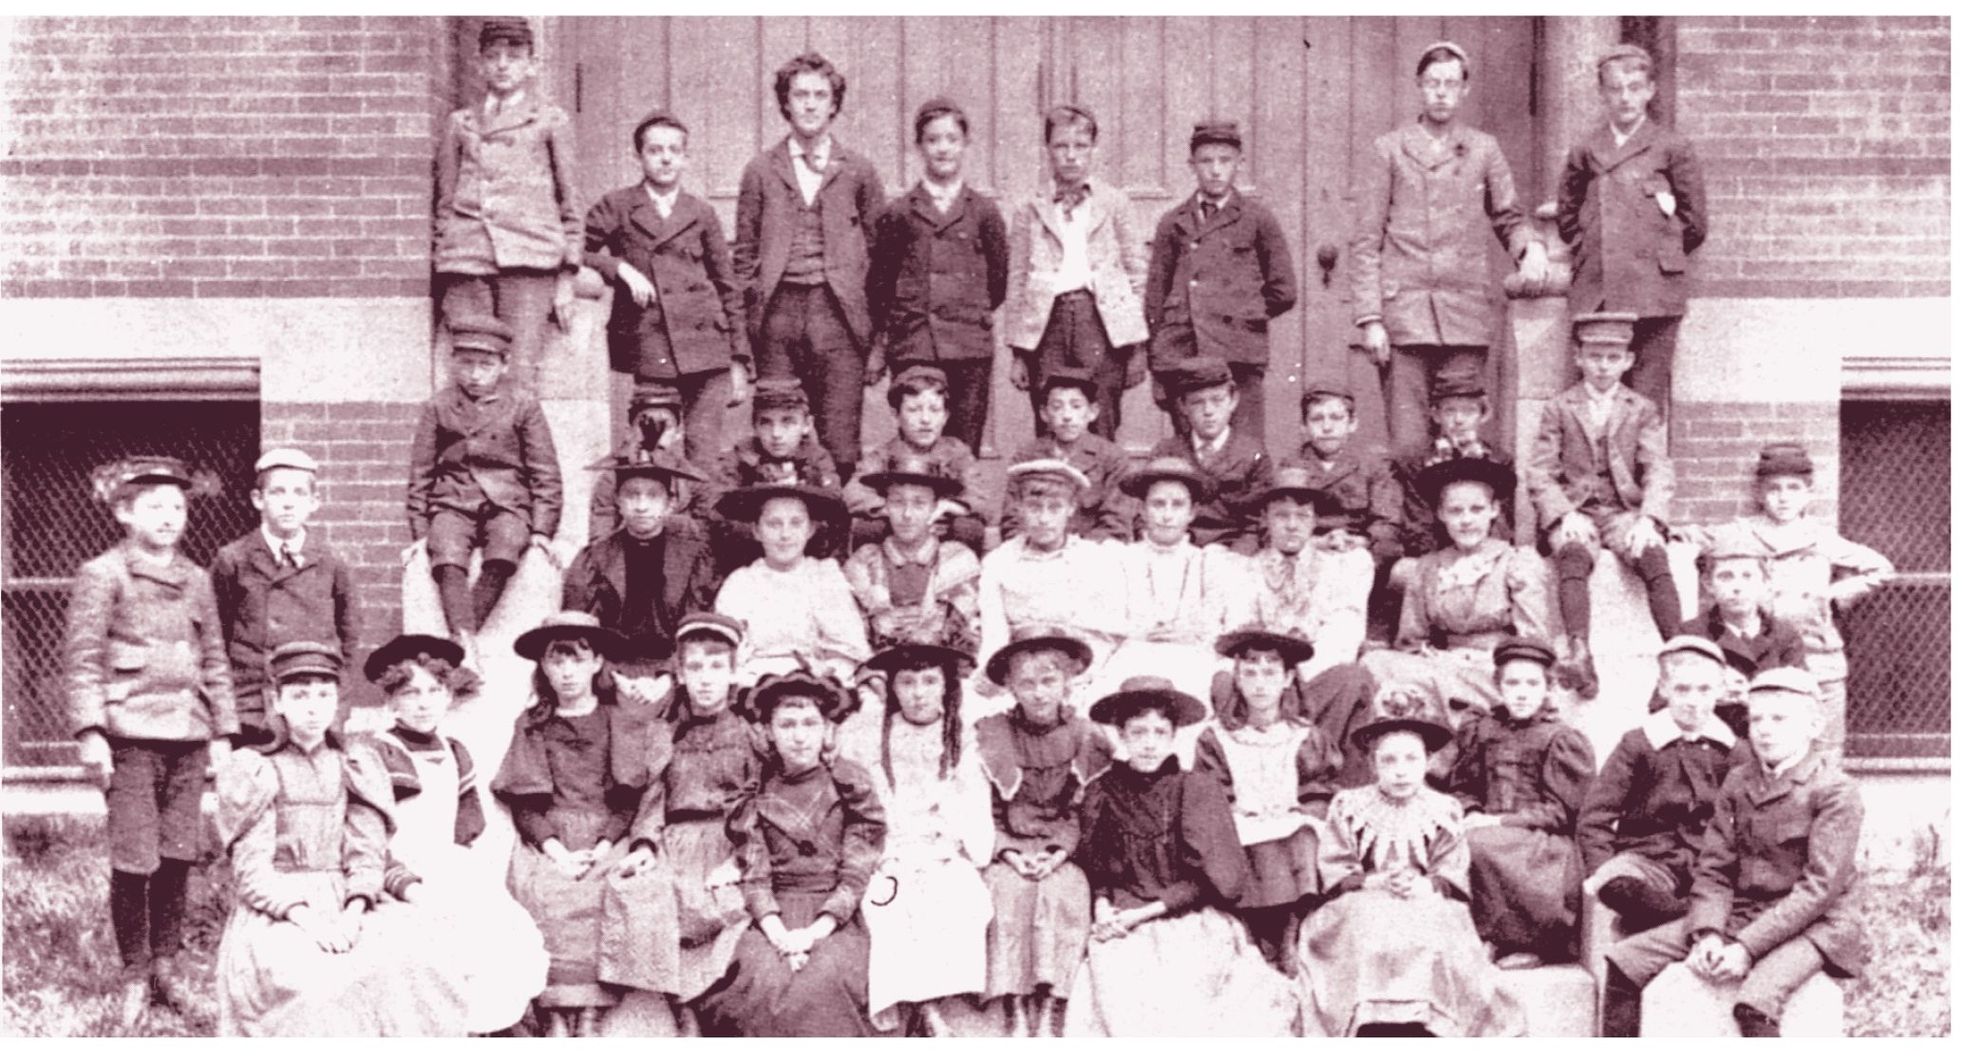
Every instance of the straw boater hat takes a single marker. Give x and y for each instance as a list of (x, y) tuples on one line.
[(1244, 639), (745, 504), (408, 647), (1168, 466), (1434, 478), (1409, 714), (570, 626), (834, 701), (1027, 639), (1294, 482), (1147, 692), (1047, 468)]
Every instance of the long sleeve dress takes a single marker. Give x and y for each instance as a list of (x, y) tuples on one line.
[(927, 909), (1277, 779), (579, 780), (1178, 600), (312, 829), (1368, 957), (1036, 779), (686, 915), (807, 844), (1458, 606), (1168, 836), (808, 610), (438, 816), (1526, 872)]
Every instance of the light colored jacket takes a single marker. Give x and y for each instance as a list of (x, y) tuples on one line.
[(505, 197), (1625, 465), (1116, 247)]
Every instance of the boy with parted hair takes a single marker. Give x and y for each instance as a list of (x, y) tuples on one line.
[(279, 583), (676, 307), (804, 220), (1220, 272), (1632, 206), (150, 700), (1077, 267)]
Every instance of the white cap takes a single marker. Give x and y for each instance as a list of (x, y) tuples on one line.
[(285, 457)]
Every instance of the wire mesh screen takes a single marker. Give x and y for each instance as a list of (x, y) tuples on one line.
[(53, 523), (1895, 497)]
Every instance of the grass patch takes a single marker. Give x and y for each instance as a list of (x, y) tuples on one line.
[(60, 967)]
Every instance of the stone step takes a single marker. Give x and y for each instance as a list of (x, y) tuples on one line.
[(1558, 1000), (1680, 1003)]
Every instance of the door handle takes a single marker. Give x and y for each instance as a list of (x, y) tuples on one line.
[(1326, 260)]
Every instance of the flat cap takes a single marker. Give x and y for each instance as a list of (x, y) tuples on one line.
[(1623, 51), (285, 457), (778, 392), (1784, 459), (479, 332), (1214, 131), (504, 28), (728, 628), (1322, 389), (1787, 680), (1448, 46), (1692, 643), (303, 658), (1069, 377), (1607, 326), (934, 107), (141, 469), (1731, 541), (916, 378), (1522, 647), (1198, 373), (1459, 385)]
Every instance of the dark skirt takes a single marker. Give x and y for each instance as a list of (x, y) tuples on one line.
[(1527, 887), (1283, 870), (763, 997)]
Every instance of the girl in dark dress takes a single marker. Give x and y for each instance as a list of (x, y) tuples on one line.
[(1160, 851), (806, 843)]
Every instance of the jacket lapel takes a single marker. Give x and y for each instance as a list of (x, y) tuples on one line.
[(1187, 219), (1050, 213), (512, 117), (1229, 212), (781, 163), (1602, 147), (835, 163), (1431, 154)]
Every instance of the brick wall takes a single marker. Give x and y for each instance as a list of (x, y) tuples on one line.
[(196, 157), (1826, 143), (1714, 446)]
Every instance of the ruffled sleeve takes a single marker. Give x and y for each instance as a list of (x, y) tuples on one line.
[(365, 857), (1449, 861), (248, 788), (1210, 852)]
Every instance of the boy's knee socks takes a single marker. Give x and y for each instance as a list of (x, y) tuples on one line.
[(129, 915), (1622, 1003), (1655, 566), (168, 887), (453, 590), (490, 587), (1572, 567)]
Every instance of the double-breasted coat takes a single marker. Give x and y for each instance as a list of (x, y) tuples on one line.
[(505, 191), (936, 279), (1630, 256), (469, 451), (1623, 466), (596, 583), (262, 604), (1212, 286), (1240, 472), (1779, 862), (690, 325), (768, 201), (1419, 251), (1368, 500), (145, 656), (1113, 244)]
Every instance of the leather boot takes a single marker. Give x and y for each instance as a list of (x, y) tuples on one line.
[(1752, 1022), (1579, 668), (1622, 1003)]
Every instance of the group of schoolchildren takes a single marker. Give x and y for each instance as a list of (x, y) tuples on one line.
[(799, 758)]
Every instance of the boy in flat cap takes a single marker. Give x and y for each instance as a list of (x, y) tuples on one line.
[(1425, 301), (150, 700), (1632, 206), (507, 223), (676, 305), (781, 448), (1646, 813), (1068, 405), (1220, 271), (1234, 461), (804, 223), (919, 397), (1600, 476), (940, 268), (644, 577), (1814, 572), (279, 583), (1077, 269), (483, 474), (1772, 895)]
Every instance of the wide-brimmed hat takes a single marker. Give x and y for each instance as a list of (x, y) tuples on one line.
[(834, 701), (1293, 650), (408, 647), (744, 504), (1168, 466), (1412, 714), (635, 460), (1297, 483), (1029, 639), (915, 656), (1147, 693), (1434, 478), (916, 470), (570, 626)]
